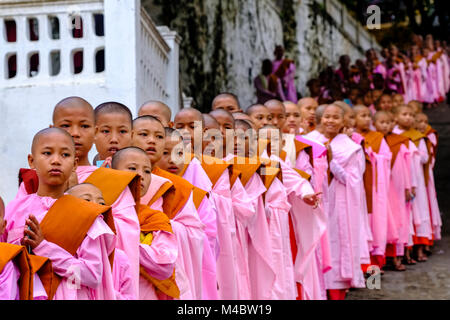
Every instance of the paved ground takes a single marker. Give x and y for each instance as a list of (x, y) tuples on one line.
[(424, 281)]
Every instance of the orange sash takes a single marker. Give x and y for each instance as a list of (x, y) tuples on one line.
[(176, 197), (247, 167), (112, 183), (18, 254), (198, 195), (395, 141), (153, 220), (162, 190), (43, 267), (214, 167), (269, 175), (67, 222), (414, 135), (300, 146)]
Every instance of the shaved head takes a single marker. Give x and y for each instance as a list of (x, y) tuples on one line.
[(51, 131), (360, 108), (189, 112), (335, 106), (241, 116), (380, 113), (72, 103), (243, 124), (319, 112), (275, 104), (80, 186), (210, 122), (307, 101), (227, 101), (344, 106), (157, 109), (221, 112), (147, 118), (253, 108), (112, 107), (124, 154)]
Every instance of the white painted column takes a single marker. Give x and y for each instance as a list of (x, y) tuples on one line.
[(173, 83), (122, 17)]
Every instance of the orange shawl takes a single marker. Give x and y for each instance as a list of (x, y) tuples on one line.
[(18, 254), (372, 139), (113, 182), (395, 141), (69, 230), (152, 220), (175, 197)]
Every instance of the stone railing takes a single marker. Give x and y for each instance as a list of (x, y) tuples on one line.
[(154, 60)]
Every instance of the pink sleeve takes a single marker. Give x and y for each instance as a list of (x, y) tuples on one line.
[(208, 215), (22, 191), (87, 264), (39, 292), (405, 157), (303, 163), (159, 258), (9, 288), (338, 171), (423, 151), (294, 182), (122, 277), (412, 153)]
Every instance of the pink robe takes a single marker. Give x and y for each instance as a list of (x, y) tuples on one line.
[(277, 207), (244, 213), (158, 260), (310, 227), (227, 273), (399, 181), (207, 212), (181, 277), (126, 223), (420, 207), (83, 274), (432, 197), (427, 86), (432, 79), (440, 84), (260, 256), (317, 140), (366, 230), (122, 276), (418, 82), (290, 91), (379, 218), (315, 289), (9, 278), (343, 203), (190, 235)]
